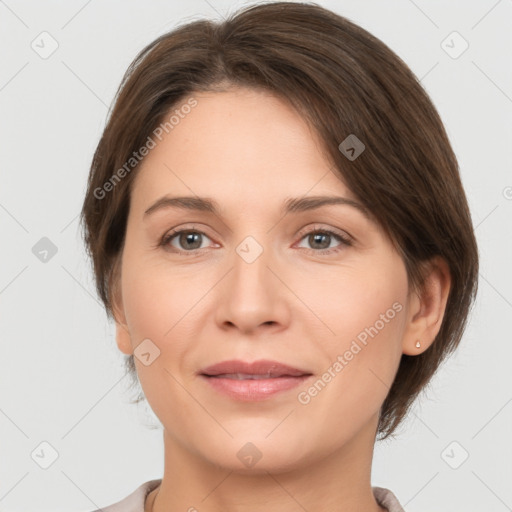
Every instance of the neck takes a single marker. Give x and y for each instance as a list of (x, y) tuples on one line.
[(340, 480)]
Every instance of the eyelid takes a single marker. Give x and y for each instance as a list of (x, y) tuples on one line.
[(324, 228)]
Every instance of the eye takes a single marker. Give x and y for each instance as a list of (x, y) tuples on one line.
[(189, 239), (320, 240)]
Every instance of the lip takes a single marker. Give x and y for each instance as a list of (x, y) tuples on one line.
[(260, 367), (277, 377)]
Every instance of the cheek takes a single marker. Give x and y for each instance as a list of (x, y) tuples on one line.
[(146, 306), (157, 307), (366, 313), (365, 310), (360, 298), (155, 297), (163, 305)]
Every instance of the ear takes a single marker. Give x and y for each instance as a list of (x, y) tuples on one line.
[(427, 308), (123, 338)]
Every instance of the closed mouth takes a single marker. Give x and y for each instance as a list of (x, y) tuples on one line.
[(260, 369), (243, 376)]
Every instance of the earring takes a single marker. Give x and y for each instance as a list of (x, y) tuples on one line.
[(418, 344)]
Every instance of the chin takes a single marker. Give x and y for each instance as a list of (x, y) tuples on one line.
[(258, 455)]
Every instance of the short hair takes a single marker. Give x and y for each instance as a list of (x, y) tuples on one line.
[(344, 82)]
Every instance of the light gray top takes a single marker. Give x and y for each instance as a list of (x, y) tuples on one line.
[(134, 502)]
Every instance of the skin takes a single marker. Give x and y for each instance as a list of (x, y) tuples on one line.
[(249, 151)]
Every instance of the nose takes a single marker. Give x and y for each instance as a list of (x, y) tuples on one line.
[(253, 296)]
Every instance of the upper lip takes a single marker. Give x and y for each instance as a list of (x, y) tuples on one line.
[(260, 367)]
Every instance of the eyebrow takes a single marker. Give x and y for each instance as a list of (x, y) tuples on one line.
[(291, 205)]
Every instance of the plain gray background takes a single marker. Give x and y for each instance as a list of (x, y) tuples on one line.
[(61, 378)]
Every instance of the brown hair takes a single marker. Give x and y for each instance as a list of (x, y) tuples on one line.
[(343, 81)]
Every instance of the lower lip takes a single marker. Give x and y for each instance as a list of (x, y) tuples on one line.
[(254, 389)]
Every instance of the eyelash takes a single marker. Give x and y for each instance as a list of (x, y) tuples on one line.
[(345, 241)]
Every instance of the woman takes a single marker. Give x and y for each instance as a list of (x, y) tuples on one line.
[(331, 267)]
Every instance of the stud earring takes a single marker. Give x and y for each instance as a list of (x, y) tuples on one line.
[(418, 344)]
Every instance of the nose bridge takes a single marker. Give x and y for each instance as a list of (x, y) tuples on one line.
[(251, 274), (251, 248), (252, 295)]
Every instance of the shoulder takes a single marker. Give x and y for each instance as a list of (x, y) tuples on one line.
[(134, 502), (387, 499)]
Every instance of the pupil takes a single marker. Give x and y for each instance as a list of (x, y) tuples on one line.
[(188, 238), (318, 236)]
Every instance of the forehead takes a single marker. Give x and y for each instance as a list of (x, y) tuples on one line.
[(236, 144)]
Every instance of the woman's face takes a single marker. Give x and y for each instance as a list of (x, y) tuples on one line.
[(250, 281)]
